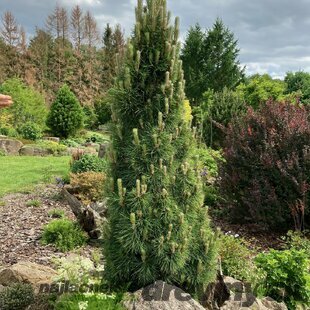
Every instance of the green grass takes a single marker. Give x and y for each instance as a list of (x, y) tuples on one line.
[(21, 173)]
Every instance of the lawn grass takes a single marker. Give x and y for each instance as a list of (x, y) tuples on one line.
[(21, 173)]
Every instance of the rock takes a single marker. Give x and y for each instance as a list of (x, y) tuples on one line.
[(248, 301), (234, 285), (241, 297), (84, 150), (27, 272), (162, 296), (102, 150), (54, 139), (10, 146), (269, 303), (2, 288), (33, 150)]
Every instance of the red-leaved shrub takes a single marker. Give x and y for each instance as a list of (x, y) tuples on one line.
[(266, 175)]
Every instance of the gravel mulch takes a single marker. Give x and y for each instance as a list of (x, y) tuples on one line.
[(21, 226)]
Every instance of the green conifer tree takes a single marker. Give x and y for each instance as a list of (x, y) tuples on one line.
[(157, 226), (66, 115)]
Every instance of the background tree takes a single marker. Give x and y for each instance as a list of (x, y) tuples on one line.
[(66, 115), (222, 66), (260, 88), (193, 57), (211, 61), (29, 105), (299, 83), (77, 27), (158, 227)]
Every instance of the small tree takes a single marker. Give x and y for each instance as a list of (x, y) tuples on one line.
[(158, 227), (66, 115)]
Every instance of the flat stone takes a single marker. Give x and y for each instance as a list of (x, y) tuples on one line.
[(27, 272)]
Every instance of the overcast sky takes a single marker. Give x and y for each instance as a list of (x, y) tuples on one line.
[(273, 35)]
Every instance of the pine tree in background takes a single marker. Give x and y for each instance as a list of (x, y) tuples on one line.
[(222, 66), (192, 57), (66, 115), (210, 61), (158, 227)]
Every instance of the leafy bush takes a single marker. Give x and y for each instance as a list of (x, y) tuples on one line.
[(103, 110), (30, 131), (16, 297), (8, 131), (66, 115), (266, 173), (28, 104), (90, 117), (237, 259), (70, 143), (95, 137), (260, 88), (89, 185), (78, 270), (298, 241), (64, 234), (208, 162), (88, 162), (218, 110), (287, 276), (94, 301)]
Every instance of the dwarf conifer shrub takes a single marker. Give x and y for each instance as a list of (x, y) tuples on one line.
[(18, 296), (158, 227), (66, 115), (64, 234), (266, 173)]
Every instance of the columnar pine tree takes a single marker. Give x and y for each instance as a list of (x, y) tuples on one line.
[(158, 227)]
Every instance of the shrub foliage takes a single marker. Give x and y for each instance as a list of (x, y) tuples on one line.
[(266, 175), (158, 227), (287, 276), (64, 234), (66, 114)]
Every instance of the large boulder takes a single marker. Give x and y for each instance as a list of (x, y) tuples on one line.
[(10, 146), (27, 272), (34, 150), (162, 296)]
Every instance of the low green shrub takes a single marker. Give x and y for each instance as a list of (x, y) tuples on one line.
[(70, 143), (55, 148), (287, 276), (8, 131), (2, 153), (64, 234), (16, 297), (298, 241), (95, 137), (30, 131), (78, 270), (33, 203), (95, 301), (88, 162), (56, 213), (237, 258)]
